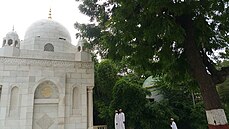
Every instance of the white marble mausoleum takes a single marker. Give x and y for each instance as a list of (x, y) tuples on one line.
[(45, 81)]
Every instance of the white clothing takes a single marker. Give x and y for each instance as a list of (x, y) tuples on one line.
[(116, 121), (122, 120), (173, 125)]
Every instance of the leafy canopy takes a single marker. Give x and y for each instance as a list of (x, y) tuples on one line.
[(150, 34)]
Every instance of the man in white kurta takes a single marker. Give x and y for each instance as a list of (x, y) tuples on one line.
[(173, 124), (116, 120), (122, 119)]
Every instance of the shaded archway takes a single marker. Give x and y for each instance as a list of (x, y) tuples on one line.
[(45, 110)]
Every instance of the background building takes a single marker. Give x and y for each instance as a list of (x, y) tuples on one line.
[(45, 81), (150, 85)]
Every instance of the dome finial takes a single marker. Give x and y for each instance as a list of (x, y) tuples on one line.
[(13, 28), (50, 14)]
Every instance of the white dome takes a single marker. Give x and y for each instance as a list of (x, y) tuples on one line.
[(47, 35), (12, 35), (150, 85), (47, 28)]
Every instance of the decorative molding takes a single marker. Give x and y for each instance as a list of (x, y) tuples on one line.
[(90, 89), (47, 56), (45, 122), (45, 62), (87, 65), (46, 91), (46, 101)]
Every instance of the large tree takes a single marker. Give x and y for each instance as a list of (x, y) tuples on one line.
[(176, 38)]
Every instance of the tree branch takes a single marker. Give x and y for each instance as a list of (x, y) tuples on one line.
[(218, 76)]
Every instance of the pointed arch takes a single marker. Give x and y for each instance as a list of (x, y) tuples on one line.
[(48, 103), (10, 42), (46, 90), (14, 102), (15, 43), (76, 100), (56, 82), (49, 47), (4, 42)]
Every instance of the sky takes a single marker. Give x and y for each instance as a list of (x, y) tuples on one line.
[(20, 14)]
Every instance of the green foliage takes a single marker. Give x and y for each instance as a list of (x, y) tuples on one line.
[(157, 115), (127, 93), (226, 108), (144, 29), (101, 112), (106, 76), (189, 115), (105, 79), (131, 98), (223, 88), (197, 117), (150, 35), (223, 91), (187, 108)]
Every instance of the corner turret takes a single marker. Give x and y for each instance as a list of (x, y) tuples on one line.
[(82, 53), (11, 39), (11, 44)]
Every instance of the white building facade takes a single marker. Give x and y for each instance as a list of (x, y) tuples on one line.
[(45, 81)]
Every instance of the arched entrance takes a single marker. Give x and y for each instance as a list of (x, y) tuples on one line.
[(45, 110)]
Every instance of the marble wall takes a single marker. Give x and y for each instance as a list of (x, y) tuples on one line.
[(45, 94)]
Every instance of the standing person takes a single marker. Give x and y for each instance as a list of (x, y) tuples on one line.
[(173, 124), (122, 119), (116, 120)]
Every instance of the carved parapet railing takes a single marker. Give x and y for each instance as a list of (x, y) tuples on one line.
[(100, 127)]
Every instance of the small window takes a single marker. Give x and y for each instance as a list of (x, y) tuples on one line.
[(16, 43), (84, 48), (4, 42), (49, 47), (10, 42), (62, 38), (79, 49)]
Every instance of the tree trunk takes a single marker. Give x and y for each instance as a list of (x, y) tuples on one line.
[(215, 113)]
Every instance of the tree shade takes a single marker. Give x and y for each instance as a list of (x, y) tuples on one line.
[(176, 38)]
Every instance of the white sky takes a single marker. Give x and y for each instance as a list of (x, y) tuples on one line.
[(22, 13)]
